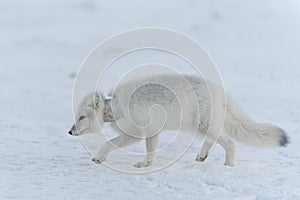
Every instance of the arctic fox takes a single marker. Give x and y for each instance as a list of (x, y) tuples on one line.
[(188, 102)]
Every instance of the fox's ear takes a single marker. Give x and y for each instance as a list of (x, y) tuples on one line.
[(94, 100)]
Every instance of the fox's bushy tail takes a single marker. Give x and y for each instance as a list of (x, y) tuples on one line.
[(242, 128)]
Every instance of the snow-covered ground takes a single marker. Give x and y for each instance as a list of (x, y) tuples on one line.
[(255, 44)]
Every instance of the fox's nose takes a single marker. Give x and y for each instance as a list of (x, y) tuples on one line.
[(70, 132)]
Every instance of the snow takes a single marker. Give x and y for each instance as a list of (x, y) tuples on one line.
[(254, 43)]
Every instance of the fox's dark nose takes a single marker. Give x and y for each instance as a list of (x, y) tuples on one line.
[(70, 132)]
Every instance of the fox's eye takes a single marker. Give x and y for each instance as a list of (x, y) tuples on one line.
[(81, 118)]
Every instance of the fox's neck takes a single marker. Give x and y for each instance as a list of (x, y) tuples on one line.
[(107, 112)]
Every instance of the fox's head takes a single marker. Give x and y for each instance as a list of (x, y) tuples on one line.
[(89, 115)]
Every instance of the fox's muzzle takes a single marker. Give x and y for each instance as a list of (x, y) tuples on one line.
[(72, 130)]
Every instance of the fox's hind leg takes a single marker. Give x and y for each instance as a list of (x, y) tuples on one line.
[(210, 140), (214, 129), (229, 147), (151, 146), (205, 148)]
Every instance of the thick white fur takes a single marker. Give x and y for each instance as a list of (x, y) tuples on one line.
[(144, 107)]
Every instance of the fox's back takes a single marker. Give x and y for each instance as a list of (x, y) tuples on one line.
[(176, 97)]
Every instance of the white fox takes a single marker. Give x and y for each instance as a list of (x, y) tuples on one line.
[(220, 119)]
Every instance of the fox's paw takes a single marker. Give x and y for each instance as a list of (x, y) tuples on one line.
[(229, 163), (143, 164), (200, 158), (99, 160)]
